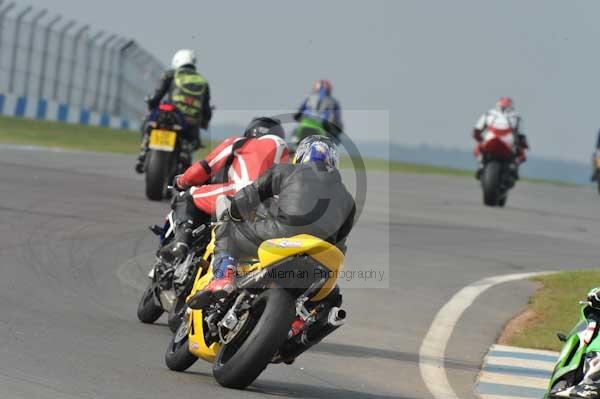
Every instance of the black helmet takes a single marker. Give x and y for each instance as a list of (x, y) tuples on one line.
[(264, 125)]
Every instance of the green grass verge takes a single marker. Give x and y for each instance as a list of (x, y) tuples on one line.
[(554, 307), (97, 139), (62, 135)]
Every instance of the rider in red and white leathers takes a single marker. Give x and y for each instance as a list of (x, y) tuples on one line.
[(503, 118), (232, 165)]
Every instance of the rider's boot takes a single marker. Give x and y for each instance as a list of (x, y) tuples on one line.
[(479, 170), (178, 248), (222, 285), (514, 170)]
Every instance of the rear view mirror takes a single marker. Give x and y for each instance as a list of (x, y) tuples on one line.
[(561, 337)]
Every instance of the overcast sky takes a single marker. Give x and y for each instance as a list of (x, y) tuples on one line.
[(434, 66)]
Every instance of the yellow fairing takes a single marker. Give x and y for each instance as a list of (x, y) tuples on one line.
[(598, 162), (270, 252), (273, 251), (197, 345)]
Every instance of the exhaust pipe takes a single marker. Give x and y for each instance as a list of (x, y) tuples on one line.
[(314, 334), (337, 317)]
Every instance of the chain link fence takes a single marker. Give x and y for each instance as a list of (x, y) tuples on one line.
[(46, 60)]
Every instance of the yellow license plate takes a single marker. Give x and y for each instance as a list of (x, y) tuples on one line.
[(163, 140)]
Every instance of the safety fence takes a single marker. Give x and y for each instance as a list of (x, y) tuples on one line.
[(57, 69)]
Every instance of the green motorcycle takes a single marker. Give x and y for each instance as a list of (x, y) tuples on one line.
[(577, 371), (307, 127)]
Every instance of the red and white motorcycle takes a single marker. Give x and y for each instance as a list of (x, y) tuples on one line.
[(500, 151)]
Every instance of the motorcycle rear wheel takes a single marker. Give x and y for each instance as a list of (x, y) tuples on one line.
[(242, 360), (157, 170)]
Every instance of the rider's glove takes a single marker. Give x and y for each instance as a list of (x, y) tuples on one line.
[(176, 185), (224, 209), (593, 298)]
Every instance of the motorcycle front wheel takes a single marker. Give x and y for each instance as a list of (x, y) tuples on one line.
[(490, 182), (178, 356)]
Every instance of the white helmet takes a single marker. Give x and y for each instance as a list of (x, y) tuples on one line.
[(183, 57)]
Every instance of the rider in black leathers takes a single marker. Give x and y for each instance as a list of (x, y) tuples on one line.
[(312, 199)]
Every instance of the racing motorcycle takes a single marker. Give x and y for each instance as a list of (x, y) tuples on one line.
[(287, 301), (596, 168), (170, 284), (577, 370), (307, 127), (500, 170), (168, 155)]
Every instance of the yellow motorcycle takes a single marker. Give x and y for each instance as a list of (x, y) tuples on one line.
[(287, 301)]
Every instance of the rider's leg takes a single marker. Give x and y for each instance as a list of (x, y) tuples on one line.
[(139, 165), (205, 197), (187, 218), (233, 239)]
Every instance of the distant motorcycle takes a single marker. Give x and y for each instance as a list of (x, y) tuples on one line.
[(307, 127), (596, 169), (168, 155), (170, 284), (577, 370), (500, 170)]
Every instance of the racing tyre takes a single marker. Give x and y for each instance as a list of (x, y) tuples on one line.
[(156, 174), (178, 356), (241, 361), (502, 201), (148, 311), (490, 182), (176, 314)]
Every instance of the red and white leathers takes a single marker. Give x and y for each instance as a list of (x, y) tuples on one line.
[(255, 156), (504, 123)]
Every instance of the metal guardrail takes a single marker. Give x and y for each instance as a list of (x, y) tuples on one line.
[(44, 58)]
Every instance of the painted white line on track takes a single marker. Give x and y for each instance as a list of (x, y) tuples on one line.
[(433, 347)]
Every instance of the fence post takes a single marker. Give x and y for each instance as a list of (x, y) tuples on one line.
[(13, 57), (76, 38), (30, 44), (96, 92), (120, 77), (44, 63), (2, 15), (59, 51), (88, 62), (111, 73)]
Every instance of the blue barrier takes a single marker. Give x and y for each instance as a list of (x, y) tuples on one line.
[(104, 120), (63, 112), (84, 117), (21, 106), (42, 109)]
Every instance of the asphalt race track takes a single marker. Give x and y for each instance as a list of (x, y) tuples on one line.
[(73, 242)]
